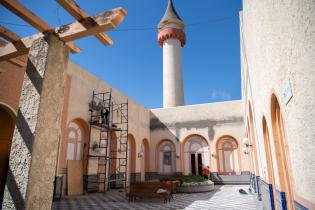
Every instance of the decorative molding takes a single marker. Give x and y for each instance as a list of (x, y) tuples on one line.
[(171, 33)]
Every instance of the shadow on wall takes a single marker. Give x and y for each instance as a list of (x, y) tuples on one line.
[(11, 184), (23, 140), (190, 154), (156, 124), (176, 156), (171, 147), (7, 122)]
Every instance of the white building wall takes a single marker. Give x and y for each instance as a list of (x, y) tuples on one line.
[(279, 43), (173, 92), (210, 121)]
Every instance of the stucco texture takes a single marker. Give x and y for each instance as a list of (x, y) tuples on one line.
[(210, 121), (278, 47), (82, 86)]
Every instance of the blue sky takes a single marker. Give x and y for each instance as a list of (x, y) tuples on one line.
[(133, 65)]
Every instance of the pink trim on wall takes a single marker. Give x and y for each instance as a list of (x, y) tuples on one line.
[(168, 33), (218, 142), (183, 149), (157, 154), (64, 126), (187, 138)]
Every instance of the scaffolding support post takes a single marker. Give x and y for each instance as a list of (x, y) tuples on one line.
[(109, 152)]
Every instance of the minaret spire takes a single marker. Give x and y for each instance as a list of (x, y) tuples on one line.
[(170, 12), (172, 38)]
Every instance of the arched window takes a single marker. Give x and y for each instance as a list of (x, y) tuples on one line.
[(166, 157), (75, 142), (227, 155)]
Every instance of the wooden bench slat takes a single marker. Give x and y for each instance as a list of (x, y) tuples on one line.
[(149, 189)]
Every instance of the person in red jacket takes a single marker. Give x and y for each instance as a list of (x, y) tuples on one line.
[(206, 172)]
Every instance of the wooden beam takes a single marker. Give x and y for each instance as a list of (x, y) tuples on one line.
[(17, 62), (88, 26), (8, 35), (20, 62), (24, 13), (78, 13), (10, 50), (28, 16), (91, 25)]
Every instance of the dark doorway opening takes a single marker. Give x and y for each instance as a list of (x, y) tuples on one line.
[(193, 163), (6, 133), (200, 164)]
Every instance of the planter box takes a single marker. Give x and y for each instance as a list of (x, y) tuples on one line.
[(195, 189)]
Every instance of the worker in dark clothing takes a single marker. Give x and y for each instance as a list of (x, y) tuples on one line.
[(104, 115)]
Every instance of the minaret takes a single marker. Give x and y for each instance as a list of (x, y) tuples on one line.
[(172, 38)]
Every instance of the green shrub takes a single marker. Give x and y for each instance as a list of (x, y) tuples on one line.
[(192, 178), (168, 178)]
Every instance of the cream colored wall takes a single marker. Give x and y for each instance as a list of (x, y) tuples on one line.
[(82, 86), (279, 46), (210, 121)]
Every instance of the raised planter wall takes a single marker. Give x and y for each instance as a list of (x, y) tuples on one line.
[(195, 189)]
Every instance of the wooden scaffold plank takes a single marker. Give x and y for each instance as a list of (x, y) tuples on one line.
[(79, 14), (12, 37), (8, 35), (88, 26), (20, 10)]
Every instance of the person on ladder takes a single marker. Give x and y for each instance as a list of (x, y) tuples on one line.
[(104, 115)]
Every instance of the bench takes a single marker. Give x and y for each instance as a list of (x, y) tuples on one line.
[(149, 190)]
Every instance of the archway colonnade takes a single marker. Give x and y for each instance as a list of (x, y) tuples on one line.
[(275, 151), (194, 153)]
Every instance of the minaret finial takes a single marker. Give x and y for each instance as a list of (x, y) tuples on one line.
[(171, 16)]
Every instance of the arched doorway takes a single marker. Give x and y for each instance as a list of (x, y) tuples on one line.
[(7, 123), (131, 160), (281, 151), (268, 158), (227, 155), (196, 154), (166, 157), (113, 167), (145, 158)]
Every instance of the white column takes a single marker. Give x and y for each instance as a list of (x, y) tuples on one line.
[(173, 93)]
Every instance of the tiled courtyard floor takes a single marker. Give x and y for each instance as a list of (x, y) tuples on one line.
[(223, 197)]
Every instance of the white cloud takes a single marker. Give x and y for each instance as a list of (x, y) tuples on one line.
[(220, 95)]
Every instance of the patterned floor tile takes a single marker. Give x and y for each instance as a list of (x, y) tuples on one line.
[(224, 197)]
